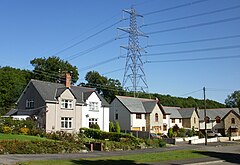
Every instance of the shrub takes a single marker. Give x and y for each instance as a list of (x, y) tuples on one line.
[(170, 132), (181, 132), (111, 127), (24, 130), (6, 130), (117, 127), (94, 126)]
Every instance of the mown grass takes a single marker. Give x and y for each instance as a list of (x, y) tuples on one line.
[(128, 159), (20, 137)]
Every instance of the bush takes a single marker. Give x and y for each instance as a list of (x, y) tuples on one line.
[(117, 127), (94, 126), (155, 143), (24, 130), (6, 130), (170, 132), (111, 127), (38, 147), (181, 132)]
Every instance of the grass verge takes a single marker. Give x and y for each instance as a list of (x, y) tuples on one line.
[(128, 159)]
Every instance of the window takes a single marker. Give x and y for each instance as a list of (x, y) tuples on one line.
[(143, 128), (194, 120), (218, 119), (173, 120), (29, 103), (164, 116), (67, 104), (93, 106), (164, 127), (207, 119), (93, 121), (138, 116), (156, 117), (233, 121), (66, 122), (180, 120), (116, 116)]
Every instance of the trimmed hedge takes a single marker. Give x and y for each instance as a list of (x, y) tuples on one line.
[(38, 147), (112, 136)]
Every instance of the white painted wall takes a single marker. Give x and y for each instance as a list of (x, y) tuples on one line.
[(166, 121), (124, 116), (138, 122), (176, 122), (102, 114)]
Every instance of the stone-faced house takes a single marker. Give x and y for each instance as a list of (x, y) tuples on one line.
[(59, 107), (222, 120), (190, 118), (137, 114)]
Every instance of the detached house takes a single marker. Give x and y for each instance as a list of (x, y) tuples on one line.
[(137, 114), (223, 120), (59, 107)]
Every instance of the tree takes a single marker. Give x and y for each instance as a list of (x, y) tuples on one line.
[(233, 100), (12, 83), (117, 127), (107, 87), (53, 69), (111, 127)]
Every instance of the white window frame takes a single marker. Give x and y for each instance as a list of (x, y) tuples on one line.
[(66, 122), (29, 103), (93, 106), (66, 104), (92, 121)]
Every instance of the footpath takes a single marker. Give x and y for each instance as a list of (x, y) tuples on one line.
[(218, 153)]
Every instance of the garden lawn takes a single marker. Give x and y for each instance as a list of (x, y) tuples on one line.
[(20, 137), (128, 159)]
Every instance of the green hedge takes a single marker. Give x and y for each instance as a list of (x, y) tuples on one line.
[(112, 136), (38, 147)]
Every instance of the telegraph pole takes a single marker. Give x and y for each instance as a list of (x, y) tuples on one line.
[(205, 115), (134, 76)]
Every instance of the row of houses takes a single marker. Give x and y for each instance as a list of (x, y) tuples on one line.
[(67, 108)]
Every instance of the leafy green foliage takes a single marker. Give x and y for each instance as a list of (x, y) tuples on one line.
[(233, 100), (107, 87), (117, 127), (46, 69), (111, 127), (95, 126), (170, 132), (12, 83)]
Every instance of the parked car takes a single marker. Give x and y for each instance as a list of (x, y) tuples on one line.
[(211, 133)]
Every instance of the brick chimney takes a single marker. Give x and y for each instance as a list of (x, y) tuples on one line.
[(68, 80)]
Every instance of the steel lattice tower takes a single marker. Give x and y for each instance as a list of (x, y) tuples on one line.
[(134, 77)]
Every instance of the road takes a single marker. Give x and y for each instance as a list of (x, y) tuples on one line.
[(220, 153)]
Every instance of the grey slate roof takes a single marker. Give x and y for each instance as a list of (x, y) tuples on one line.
[(186, 112), (137, 105), (213, 113), (174, 113), (50, 91)]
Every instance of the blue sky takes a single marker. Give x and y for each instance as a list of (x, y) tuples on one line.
[(31, 29)]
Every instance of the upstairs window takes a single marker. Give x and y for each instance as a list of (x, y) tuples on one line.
[(194, 120), (93, 106), (218, 119), (67, 104), (233, 121), (29, 103), (207, 119), (173, 120), (156, 117), (180, 120), (116, 116), (138, 116), (164, 116)]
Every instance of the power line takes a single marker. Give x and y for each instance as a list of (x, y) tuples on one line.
[(191, 92), (194, 50), (175, 7), (113, 71), (195, 25), (69, 47), (195, 41), (192, 16), (195, 59), (100, 63)]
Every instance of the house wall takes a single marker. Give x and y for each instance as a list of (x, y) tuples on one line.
[(166, 122), (194, 124), (156, 127), (138, 124), (54, 113), (30, 93), (124, 116), (227, 124), (177, 121), (102, 115)]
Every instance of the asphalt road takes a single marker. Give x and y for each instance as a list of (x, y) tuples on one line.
[(219, 153)]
